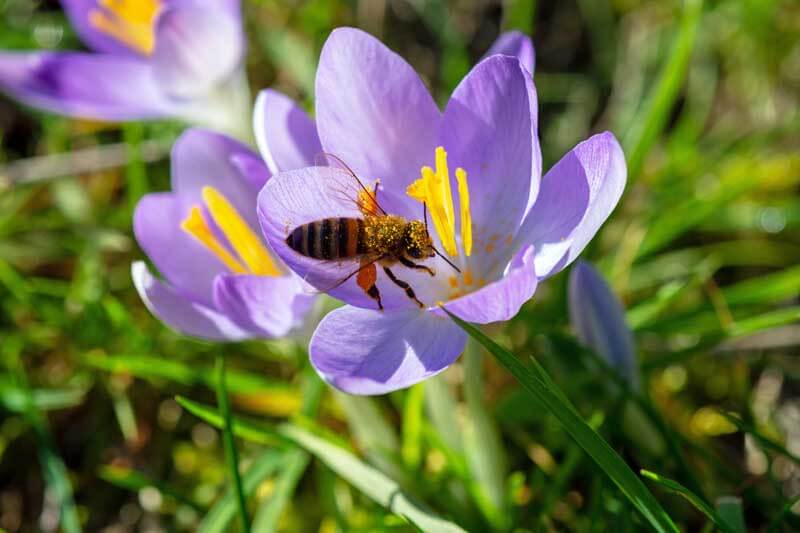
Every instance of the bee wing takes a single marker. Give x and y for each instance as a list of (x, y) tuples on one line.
[(366, 198)]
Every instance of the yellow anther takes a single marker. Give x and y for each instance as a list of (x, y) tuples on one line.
[(243, 239), (433, 189), (131, 22), (196, 226), (466, 214)]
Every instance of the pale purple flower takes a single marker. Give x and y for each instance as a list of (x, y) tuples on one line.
[(599, 321), (374, 112), (149, 59), (221, 279)]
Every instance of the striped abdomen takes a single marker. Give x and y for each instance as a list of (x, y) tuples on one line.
[(329, 238)]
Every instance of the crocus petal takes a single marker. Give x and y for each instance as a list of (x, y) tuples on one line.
[(79, 13), (203, 158), (296, 197), (198, 45), (373, 111), (267, 306), (286, 135), (181, 314), (251, 167), (489, 130), (369, 352), (185, 263), (599, 320), (576, 196), (517, 44), (95, 86), (500, 300)]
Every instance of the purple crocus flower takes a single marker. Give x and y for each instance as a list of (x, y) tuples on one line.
[(599, 321), (149, 59), (222, 281), (509, 229)]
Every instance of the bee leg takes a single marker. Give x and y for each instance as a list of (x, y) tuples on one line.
[(403, 285), (410, 264), (366, 278)]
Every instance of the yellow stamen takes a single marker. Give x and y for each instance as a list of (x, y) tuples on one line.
[(196, 226), (131, 22), (243, 239), (466, 214), (433, 189)]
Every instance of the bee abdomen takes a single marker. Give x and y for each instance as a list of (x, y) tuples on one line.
[(329, 238)]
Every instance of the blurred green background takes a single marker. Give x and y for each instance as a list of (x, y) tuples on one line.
[(704, 249)]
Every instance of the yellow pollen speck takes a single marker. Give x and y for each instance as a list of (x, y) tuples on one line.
[(253, 257), (509, 239), (489, 248), (132, 22), (467, 277), (453, 282)]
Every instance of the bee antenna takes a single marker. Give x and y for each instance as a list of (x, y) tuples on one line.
[(425, 215), (446, 260)]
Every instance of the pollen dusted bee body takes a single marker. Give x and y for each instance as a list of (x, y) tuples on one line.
[(377, 238)]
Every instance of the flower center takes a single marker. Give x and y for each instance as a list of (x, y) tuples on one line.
[(433, 189), (131, 22), (251, 256)]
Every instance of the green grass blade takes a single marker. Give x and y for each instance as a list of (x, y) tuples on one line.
[(692, 498), (184, 372), (483, 446), (53, 469), (231, 457), (368, 480), (411, 448), (56, 476), (441, 405), (550, 397), (266, 519), (373, 483), (219, 517), (729, 509), (651, 121)]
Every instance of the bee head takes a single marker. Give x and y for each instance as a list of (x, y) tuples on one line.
[(418, 243)]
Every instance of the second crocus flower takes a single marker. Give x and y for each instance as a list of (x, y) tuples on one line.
[(222, 281)]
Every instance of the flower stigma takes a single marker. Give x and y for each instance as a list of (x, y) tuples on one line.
[(131, 22), (253, 256)]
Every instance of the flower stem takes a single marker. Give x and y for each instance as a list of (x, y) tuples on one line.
[(231, 457)]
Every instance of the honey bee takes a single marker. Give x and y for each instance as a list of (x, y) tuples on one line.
[(376, 239)]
